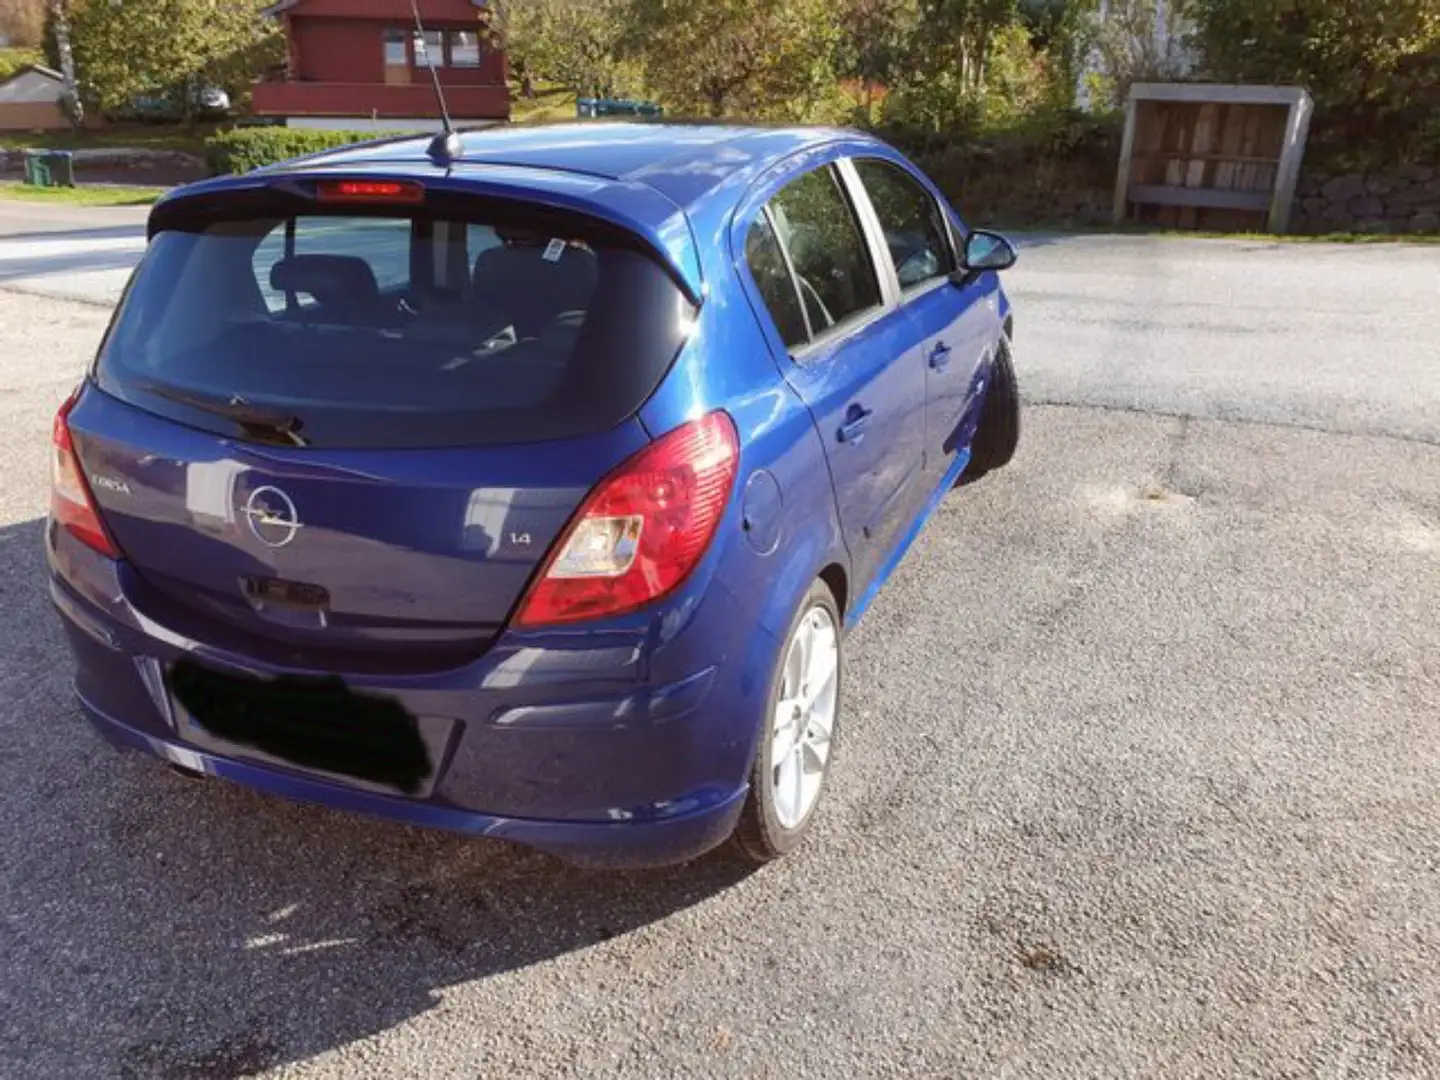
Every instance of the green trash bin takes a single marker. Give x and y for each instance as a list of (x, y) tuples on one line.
[(49, 168), (594, 108), (37, 169)]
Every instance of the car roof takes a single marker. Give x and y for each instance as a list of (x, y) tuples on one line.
[(684, 162)]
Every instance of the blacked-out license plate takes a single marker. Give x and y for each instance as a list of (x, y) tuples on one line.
[(310, 722)]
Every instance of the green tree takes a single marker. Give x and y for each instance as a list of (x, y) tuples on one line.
[(58, 17), (1136, 41), (23, 22), (581, 44), (960, 35), (766, 59), (124, 48), (1369, 65), (949, 63), (876, 38)]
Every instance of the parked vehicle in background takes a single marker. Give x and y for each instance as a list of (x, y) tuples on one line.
[(528, 493), (168, 106), (213, 102)]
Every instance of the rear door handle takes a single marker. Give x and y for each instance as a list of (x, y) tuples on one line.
[(853, 429), (940, 356)]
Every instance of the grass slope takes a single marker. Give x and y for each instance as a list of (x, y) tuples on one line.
[(96, 195)]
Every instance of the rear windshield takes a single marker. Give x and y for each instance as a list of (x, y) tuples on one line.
[(394, 331)]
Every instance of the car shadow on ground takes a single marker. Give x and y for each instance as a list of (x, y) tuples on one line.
[(194, 928)]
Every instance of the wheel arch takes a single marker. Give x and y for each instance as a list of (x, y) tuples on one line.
[(837, 580)]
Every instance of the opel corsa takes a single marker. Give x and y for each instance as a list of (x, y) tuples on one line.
[(526, 489)]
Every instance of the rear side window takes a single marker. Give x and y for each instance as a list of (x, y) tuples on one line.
[(773, 279), (833, 269), (397, 331), (914, 227)]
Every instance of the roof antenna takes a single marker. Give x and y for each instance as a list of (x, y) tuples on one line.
[(447, 146)]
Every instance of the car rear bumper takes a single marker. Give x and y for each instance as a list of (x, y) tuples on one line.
[(614, 845), (626, 746)]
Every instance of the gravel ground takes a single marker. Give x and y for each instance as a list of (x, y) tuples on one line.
[(1139, 775)]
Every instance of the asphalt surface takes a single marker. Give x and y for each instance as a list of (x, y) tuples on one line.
[(84, 253), (1139, 773)]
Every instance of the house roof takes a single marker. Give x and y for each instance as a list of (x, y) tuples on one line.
[(38, 69)]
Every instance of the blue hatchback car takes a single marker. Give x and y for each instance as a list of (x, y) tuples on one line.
[(529, 492)]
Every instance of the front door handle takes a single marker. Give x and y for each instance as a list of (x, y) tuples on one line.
[(853, 429), (940, 356)]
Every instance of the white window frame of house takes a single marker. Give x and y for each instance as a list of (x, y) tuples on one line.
[(430, 49), (395, 35), (463, 54)]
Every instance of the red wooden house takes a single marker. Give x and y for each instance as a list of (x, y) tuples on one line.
[(357, 64)]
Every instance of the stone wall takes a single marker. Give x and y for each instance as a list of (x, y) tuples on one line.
[(1012, 182), (119, 165), (1405, 200)]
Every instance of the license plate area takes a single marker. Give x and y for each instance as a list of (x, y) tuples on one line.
[(317, 724)]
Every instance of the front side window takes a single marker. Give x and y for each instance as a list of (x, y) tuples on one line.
[(395, 48), (914, 227), (817, 226), (464, 49)]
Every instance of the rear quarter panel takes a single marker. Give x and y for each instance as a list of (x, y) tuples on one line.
[(781, 529)]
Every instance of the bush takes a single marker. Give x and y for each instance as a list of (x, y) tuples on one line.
[(12, 60), (1056, 167), (242, 149), (1373, 69)]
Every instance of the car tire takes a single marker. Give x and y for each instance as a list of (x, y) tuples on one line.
[(998, 433), (786, 785)]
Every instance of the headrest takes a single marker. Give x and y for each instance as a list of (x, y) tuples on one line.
[(328, 278), (519, 237), (516, 266)]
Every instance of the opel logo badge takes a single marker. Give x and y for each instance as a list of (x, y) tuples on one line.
[(272, 516)]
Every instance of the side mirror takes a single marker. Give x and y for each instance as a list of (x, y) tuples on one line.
[(988, 251)]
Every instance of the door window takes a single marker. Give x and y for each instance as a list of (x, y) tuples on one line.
[(913, 223), (773, 279), (817, 227)]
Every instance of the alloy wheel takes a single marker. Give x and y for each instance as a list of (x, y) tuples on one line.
[(804, 717)]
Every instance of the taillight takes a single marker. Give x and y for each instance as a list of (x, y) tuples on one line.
[(643, 530), (71, 504)]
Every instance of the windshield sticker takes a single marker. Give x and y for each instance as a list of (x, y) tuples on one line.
[(554, 250)]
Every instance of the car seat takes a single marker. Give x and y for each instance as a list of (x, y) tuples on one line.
[(340, 284), (533, 283)]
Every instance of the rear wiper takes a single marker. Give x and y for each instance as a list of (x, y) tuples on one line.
[(265, 425)]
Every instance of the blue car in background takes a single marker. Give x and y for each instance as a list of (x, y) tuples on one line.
[(529, 491)]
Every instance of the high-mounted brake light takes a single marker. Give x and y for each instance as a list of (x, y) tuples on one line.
[(643, 530), (369, 191), (71, 504)]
